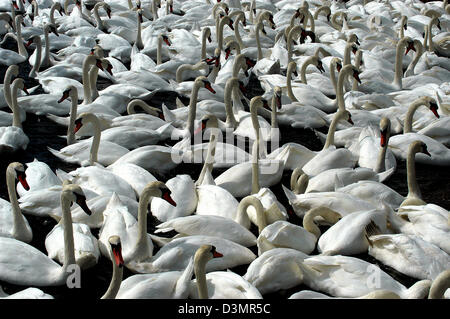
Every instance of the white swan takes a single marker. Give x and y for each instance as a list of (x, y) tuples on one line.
[(12, 223), (344, 276), (136, 243), (13, 138), (408, 254), (90, 151), (283, 234), (22, 264), (218, 284)]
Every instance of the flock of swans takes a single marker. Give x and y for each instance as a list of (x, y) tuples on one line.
[(374, 75)]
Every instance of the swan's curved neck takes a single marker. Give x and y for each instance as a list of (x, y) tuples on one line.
[(193, 107), (289, 40), (239, 62), (348, 49), (273, 114), (96, 138), (325, 9), (19, 227), (334, 22), (185, 67), (291, 67), (332, 129), (305, 64), (87, 63), (407, 125), (147, 108), (98, 20), (154, 10), (52, 13), (308, 220), (333, 75), (419, 51), (200, 261), (345, 72), (209, 161), (139, 42), (38, 58), (260, 214), (115, 283), (206, 32), (258, 28), (299, 181), (158, 51), (399, 63), (413, 187), (237, 34), (69, 254), (358, 59), (229, 87), (20, 46), (142, 249), (223, 21), (13, 70), (440, 284), (73, 117), (256, 148), (381, 166), (14, 106)]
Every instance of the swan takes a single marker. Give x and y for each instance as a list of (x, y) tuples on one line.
[(210, 225), (90, 151), (373, 154), (136, 243), (439, 285), (39, 176), (345, 276), (13, 138), (117, 261), (9, 57), (283, 234), (236, 179), (183, 193), (29, 293), (172, 284), (218, 284), (428, 221), (46, 60), (318, 99), (276, 269), (347, 236), (373, 192), (12, 223), (408, 254), (22, 264), (85, 244), (330, 156), (372, 86)]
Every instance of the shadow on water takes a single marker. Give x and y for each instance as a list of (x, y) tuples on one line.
[(43, 133)]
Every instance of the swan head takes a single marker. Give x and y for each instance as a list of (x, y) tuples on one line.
[(18, 82), (203, 81), (409, 45), (319, 65), (292, 69), (205, 253), (166, 40), (344, 115), (50, 27), (418, 147), (207, 121), (34, 40), (116, 249), (18, 171), (159, 189), (353, 38), (355, 73), (75, 194), (385, 130), (70, 91), (139, 13), (84, 118), (432, 105), (106, 65)]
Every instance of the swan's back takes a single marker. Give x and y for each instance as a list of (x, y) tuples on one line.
[(22, 264)]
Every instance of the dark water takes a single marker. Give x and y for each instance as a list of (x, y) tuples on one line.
[(433, 182)]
